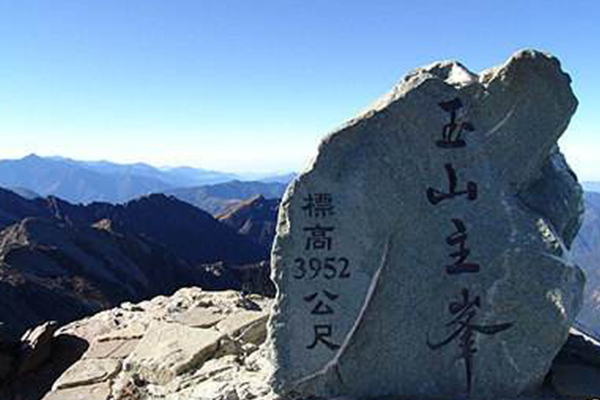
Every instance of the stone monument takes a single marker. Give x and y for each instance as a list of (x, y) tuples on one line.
[(425, 252)]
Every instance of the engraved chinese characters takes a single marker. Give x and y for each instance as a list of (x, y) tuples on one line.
[(320, 240), (463, 312), (325, 293), (408, 262)]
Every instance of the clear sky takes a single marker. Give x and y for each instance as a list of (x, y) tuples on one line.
[(252, 85)]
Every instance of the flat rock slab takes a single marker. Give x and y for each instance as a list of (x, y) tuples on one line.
[(247, 326), (87, 372), (100, 391), (199, 317), (169, 349), (423, 251), (118, 349), (134, 331)]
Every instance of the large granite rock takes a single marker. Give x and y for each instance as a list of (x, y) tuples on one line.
[(425, 250)]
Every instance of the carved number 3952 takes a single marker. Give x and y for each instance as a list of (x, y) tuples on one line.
[(330, 268)]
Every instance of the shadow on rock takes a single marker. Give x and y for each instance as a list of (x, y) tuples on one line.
[(33, 385)]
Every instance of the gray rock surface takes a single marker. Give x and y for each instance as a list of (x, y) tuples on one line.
[(557, 196), (419, 254)]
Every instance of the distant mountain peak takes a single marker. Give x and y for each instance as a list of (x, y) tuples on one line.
[(32, 158)]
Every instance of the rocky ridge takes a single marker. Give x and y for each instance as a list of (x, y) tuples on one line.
[(255, 218), (218, 198), (188, 231), (70, 180), (63, 261)]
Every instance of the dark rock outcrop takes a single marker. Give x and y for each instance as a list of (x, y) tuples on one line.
[(187, 231), (36, 347), (14, 208), (575, 372), (50, 270)]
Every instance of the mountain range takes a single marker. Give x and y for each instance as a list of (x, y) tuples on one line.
[(63, 261), (218, 198), (98, 254), (88, 181)]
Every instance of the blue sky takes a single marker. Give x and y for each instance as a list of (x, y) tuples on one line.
[(253, 85)]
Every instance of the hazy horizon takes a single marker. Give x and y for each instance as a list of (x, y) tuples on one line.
[(151, 164), (239, 86)]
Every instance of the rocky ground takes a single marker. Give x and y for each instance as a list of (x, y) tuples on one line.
[(194, 345)]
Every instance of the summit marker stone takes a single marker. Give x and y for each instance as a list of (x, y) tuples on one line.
[(425, 250)]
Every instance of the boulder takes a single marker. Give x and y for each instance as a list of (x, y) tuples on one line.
[(36, 346), (425, 252)]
